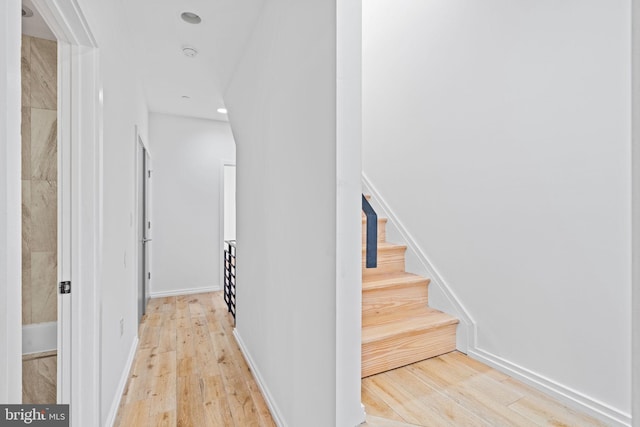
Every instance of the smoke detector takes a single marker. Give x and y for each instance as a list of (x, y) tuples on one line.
[(189, 51)]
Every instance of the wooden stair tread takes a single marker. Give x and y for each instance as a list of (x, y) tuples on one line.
[(392, 279), (386, 246), (364, 219), (415, 320)]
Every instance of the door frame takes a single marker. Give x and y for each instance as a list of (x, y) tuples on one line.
[(142, 206), (10, 205), (80, 199), (635, 213)]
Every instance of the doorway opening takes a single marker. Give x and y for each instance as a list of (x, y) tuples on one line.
[(40, 240), (229, 217), (143, 174)]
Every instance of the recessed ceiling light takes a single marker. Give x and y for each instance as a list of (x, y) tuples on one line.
[(189, 51), (191, 18), (26, 12), (222, 110)]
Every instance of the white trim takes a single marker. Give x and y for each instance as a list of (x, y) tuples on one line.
[(558, 391), (466, 332), (81, 127), (189, 291), (635, 212), (10, 205), (271, 403), (348, 217), (39, 337), (115, 404)]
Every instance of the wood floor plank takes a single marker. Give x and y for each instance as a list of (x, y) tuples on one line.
[(242, 406), (219, 321), (216, 404), (468, 363), (136, 414), (184, 338), (376, 406), (449, 409), (167, 338), (264, 415), (190, 411), (409, 408), (164, 419), (495, 398), (205, 357), (480, 398), (545, 411)]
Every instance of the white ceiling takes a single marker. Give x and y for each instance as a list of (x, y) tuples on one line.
[(35, 26), (158, 36), (167, 74)]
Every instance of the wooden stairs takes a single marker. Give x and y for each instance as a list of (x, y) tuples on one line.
[(398, 326)]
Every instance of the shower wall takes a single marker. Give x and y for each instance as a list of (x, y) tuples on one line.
[(39, 180), (39, 218)]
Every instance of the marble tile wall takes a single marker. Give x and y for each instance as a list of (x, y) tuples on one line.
[(39, 378), (39, 180)]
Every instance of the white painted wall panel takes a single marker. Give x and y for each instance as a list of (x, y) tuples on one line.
[(282, 109)]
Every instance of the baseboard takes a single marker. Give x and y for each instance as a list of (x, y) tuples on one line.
[(271, 403), (113, 411), (566, 395), (39, 337), (442, 297), (189, 291)]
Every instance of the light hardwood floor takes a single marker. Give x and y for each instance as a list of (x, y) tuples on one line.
[(455, 390), (188, 369)]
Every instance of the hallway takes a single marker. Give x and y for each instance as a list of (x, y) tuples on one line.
[(188, 369)]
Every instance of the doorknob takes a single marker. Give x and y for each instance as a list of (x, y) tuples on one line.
[(146, 240)]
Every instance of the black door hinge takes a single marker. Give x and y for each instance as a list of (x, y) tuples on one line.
[(65, 287)]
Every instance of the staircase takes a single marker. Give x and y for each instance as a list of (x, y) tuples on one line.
[(398, 326)]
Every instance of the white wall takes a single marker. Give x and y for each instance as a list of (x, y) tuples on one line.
[(282, 109), (123, 108), (499, 133), (187, 160), (10, 206), (229, 201)]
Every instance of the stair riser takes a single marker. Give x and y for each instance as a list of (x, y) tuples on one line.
[(407, 348), (389, 261), (382, 233), (390, 299)]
